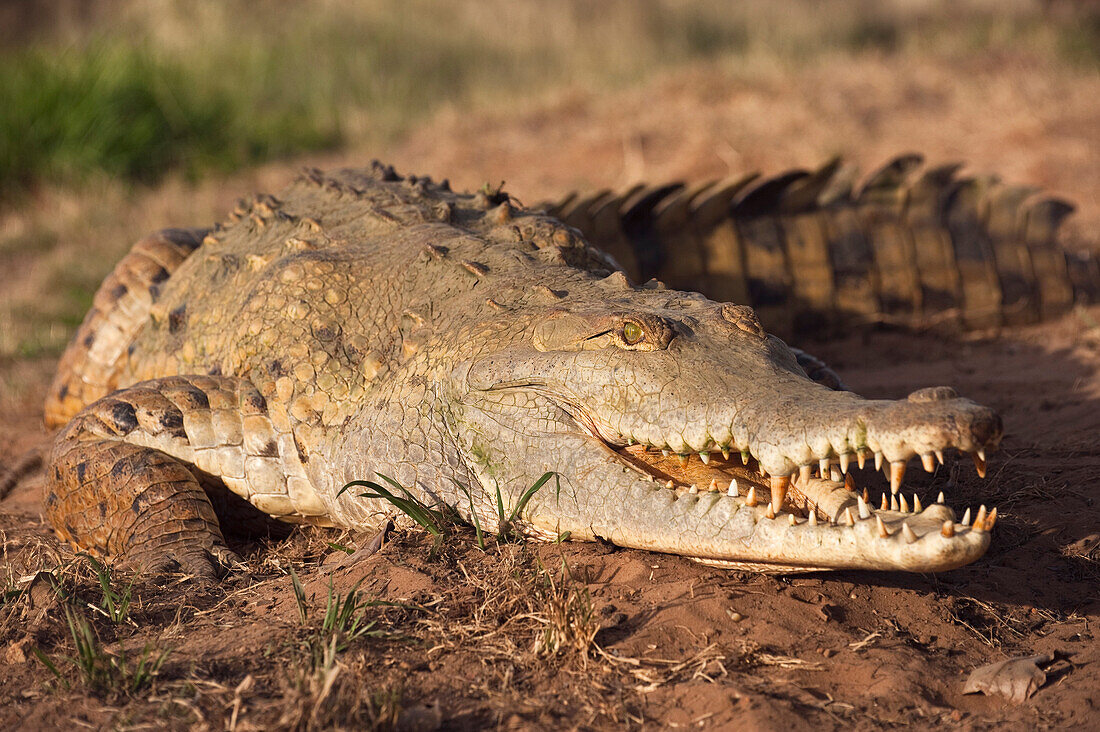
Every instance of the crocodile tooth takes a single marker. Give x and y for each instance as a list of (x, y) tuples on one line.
[(705, 457), (991, 520), (907, 532), (750, 499), (894, 503), (823, 467), (845, 461), (779, 484), (861, 458), (866, 497), (885, 506), (979, 462), (864, 509), (669, 485), (878, 460), (726, 452), (903, 503), (849, 482), (713, 487), (745, 457), (835, 475), (804, 473), (939, 498), (665, 453), (917, 507), (979, 520), (793, 521), (897, 472), (928, 461), (948, 529), (812, 518), (849, 518), (939, 456), (966, 517), (732, 490), (883, 532), (693, 489), (769, 513), (683, 458)]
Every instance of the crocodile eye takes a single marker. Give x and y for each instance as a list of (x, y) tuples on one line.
[(632, 333)]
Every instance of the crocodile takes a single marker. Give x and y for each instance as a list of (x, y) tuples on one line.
[(363, 325)]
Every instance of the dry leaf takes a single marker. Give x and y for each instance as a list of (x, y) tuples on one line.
[(1016, 678)]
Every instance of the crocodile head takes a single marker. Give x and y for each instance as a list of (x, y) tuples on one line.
[(676, 424)]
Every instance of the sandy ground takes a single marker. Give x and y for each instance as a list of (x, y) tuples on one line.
[(676, 644)]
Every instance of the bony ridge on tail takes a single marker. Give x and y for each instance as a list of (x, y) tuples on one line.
[(364, 324), (818, 250)]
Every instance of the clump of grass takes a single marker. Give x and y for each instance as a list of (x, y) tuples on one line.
[(437, 520), (569, 623), (506, 520), (115, 603), (320, 695), (339, 695), (343, 622), (432, 519), (124, 111), (109, 671), (100, 670)]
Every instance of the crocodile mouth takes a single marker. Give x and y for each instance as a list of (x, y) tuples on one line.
[(824, 498), (797, 475), (741, 475)]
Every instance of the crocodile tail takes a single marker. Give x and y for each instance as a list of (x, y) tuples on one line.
[(88, 367), (910, 245)]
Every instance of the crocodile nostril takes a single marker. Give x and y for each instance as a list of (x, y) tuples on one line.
[(933, 394), (986, 427)]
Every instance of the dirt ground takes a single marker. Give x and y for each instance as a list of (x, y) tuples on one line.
[(502, 638)]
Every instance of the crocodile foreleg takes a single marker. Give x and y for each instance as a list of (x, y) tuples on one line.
[(147, 457)]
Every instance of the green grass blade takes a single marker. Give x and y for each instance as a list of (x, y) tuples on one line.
[(299, 597), (503, 518), (410, 506), (398, 486), (529, 494), (474, 518), (50, 665), (354, 484)]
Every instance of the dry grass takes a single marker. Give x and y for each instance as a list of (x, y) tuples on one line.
[(333, 695), (502, 609)]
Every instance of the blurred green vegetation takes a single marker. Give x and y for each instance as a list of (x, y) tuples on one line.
[(136, 89), (126, 113)]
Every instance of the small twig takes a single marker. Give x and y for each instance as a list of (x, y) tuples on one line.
[(372, 547), (867, 640)]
